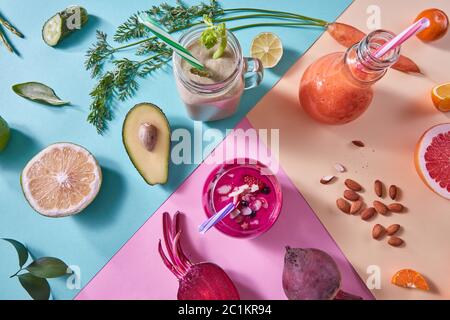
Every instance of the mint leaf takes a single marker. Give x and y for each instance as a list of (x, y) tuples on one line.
[(48, 267), (37, 288), (22, 251)]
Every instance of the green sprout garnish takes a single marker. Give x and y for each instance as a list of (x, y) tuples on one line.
[(214, 34)]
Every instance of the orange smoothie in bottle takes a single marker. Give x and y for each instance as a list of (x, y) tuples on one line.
[(337, 88)]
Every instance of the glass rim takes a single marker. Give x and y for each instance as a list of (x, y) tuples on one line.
[(366, 50), (211, 183), (193, 34)]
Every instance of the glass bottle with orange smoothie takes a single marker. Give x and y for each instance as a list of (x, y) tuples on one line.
[(337, 88)]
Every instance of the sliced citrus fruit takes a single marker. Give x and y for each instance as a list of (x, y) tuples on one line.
[(432, 159), (408, 278), (61, 180), (441, 96), (267, 47)]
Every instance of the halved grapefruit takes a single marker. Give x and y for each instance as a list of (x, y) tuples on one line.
[(61, 180), (432, 159)]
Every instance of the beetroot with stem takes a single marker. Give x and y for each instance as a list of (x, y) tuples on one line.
[(200, 281), (311, 274)]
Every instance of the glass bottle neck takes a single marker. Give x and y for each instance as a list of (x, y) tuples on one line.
[(362, 62)]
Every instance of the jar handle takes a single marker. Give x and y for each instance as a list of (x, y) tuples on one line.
[(253, 72)]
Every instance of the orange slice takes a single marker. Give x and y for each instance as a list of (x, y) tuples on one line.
[(267, 47), (441, 97), (408, 278), (61, 180)]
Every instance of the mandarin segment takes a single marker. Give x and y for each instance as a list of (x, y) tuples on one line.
[(408, 278)]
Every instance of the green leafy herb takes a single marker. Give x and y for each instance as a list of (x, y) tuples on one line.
[(38, 92), (213, 35), (48, 267), (174, 18), (121, 81), (37, 288), (97, 54), (35, 280), (22, 251)]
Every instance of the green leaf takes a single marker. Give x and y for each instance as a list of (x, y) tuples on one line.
[(38, 92), (37, 288), (48, 267), (22, 251)]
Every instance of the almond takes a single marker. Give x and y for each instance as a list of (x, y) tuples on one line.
[(395, 241), (377, 231), (339, 167), (392, 229), (368, 213), (393, 191), (343, 205), (378, 187), (380, 207), (327, 179), (395, 207), (358, 143), (351, 195), (356, 206), (353, 185)]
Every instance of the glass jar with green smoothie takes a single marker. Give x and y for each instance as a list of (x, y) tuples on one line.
[(214, 93)]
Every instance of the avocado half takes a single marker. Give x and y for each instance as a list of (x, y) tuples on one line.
[(152, 165)]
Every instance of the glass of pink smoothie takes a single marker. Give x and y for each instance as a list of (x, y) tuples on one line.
[(337, 88), (253, 188), (217, 96)]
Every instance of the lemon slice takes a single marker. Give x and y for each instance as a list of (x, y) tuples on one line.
[(441, 97), (268, 48), (61, 180)]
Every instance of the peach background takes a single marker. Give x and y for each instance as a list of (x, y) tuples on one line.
[(399, 114)]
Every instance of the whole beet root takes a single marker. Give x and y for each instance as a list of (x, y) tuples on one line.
[(311, 274), (199, 281)]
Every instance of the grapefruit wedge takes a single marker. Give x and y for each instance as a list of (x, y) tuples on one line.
[(432, 159), (61, 180)]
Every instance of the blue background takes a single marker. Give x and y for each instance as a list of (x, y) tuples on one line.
[(125, 201)]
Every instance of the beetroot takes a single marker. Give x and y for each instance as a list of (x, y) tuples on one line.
[(311, 274), (202, 281)]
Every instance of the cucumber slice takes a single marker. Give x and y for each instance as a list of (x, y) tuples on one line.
[(63, 24), (52, 31)]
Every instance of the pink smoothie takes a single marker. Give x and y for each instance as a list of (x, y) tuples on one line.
[(258, 199)]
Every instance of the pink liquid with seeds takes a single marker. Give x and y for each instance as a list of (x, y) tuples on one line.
[(256, 210)]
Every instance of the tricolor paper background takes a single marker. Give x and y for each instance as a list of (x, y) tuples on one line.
[(114, 241)]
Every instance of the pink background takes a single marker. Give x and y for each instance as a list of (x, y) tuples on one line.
[(255, 266)]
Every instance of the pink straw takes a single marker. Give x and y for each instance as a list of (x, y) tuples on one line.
[(418, 26)]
